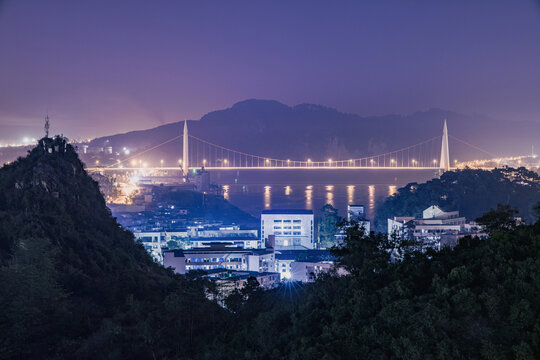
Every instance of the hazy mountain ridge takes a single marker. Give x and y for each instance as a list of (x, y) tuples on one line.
[(270, 128)]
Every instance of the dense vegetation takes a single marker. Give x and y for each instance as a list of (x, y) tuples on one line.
[(477, 301), (74, 284), (471, 192)]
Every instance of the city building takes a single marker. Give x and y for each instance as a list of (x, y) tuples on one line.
[(357, 213), (436, 228), (304, 265), (229, 280), (293, 229), (219, 256)]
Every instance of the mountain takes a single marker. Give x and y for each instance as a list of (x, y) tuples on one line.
[(74, 283), (272, 129)]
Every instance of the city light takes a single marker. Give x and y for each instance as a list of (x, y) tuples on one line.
[(133, 162)]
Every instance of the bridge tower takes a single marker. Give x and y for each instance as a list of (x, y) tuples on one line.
[(444, 163), (185, 150)]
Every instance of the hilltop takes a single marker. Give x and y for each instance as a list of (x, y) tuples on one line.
[(74, 283)]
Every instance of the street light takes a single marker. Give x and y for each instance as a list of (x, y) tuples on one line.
[(329, 162), (161, 161)]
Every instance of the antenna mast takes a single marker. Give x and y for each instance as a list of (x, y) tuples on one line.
[(47, 126)]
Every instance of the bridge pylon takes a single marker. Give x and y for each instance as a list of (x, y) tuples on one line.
[(185, 150), (444, 163)]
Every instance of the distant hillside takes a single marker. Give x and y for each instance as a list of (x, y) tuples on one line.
[(74, 283), (471, 192), (270, 128)]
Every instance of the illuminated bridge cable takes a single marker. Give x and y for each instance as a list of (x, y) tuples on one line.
[(473, 146)]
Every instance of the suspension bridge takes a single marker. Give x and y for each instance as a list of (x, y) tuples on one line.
[(431, 154)]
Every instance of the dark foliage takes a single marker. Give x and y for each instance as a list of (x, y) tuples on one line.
[(471, 192), (476, 301), (74, 284)]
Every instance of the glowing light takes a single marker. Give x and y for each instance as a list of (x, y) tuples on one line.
[(133, 162), (97, 162)]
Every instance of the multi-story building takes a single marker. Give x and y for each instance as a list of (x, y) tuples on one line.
[(436, 228), (357, 213), (219, 256), (304, 265), (293, 229)]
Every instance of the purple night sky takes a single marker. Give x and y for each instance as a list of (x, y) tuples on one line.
[(101, 67)]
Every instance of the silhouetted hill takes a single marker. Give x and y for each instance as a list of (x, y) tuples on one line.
[(270, 128), (74, 283)]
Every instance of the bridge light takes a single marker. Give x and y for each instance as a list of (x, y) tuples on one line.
[(308, 160), (133, 162), (204, 161), (97, 162), (330, 161), (161, 161)]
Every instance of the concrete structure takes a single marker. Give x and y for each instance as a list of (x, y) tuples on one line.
[(293, 229), (194, 237), (304, 265), (185, 151), (357, 213), (436, 228), (219, 256), (444, 163)]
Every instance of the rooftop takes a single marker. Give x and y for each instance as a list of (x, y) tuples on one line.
[(288, 211), (304, 255)]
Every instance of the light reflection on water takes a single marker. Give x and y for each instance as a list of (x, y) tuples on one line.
[(254, 198)]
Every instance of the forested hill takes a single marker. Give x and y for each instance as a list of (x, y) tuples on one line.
[(74, 284), (471, 192)]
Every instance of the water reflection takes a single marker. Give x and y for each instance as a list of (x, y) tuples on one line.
[(267, 196), (309, 197), (330, 195), (288, 190), (350, 194), (226, 192), (392, 189), (371, 198)]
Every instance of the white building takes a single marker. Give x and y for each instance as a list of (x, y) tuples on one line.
[(219, 256), (435, 229), (293, 229)]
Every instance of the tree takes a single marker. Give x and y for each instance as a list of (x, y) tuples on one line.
[(500, 219), (328, 226)]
